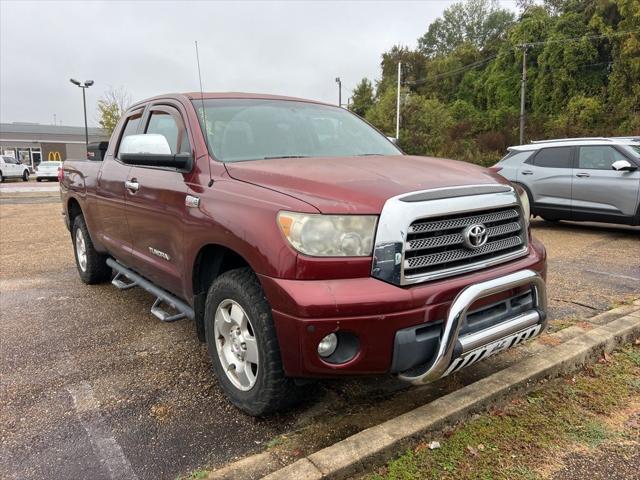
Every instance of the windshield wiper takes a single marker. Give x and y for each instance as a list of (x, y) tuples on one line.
[(285, 156)]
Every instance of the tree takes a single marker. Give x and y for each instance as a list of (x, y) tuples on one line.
[(362, 98), (113, 103), (478, 22)]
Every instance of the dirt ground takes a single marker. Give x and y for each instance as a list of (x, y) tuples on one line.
[(93, 386)]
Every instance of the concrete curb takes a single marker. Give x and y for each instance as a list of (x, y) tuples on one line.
[(375, 445)]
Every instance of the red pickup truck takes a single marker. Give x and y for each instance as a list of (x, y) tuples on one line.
[(304, 244)]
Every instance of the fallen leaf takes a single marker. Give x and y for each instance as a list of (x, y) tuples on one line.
[(472, 451), (606, 358), (433, 445), (481, 447)]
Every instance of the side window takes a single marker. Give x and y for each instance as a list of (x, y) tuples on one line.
[(131, 126), (555, 157), (598, 157), (515, 157), (172, 128)]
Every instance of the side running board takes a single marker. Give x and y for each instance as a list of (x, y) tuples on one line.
[(126, 278)]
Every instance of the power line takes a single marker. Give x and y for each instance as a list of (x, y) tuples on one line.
[(567, 40), (528, 44), (453, 72)]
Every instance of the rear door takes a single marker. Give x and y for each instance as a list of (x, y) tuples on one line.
[(156, 207), (599, 192), (547, 175), (112, 226)]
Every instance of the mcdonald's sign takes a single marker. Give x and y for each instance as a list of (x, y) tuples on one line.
[(54, 157)]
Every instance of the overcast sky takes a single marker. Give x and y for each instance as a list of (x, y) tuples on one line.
[(287, 47)]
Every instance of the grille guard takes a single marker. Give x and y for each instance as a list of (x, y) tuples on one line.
[(449, 337)]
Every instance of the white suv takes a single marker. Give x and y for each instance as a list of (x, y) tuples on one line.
[(580, 179), (10, 167)]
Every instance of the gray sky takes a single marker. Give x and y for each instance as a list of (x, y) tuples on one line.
[(290, 48)]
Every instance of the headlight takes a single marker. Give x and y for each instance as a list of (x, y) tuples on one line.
[(524, 201), (329, 235)]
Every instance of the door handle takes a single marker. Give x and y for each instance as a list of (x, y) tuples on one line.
[(132, 185), (582, 174), (527, 172)]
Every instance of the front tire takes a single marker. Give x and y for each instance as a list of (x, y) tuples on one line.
[(92, 266), (25, 176), (243, 346)]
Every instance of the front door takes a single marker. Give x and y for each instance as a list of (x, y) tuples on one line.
[(599, 192), (112, 226), (548, 175), (156, 205)]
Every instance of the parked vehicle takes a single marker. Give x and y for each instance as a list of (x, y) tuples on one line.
[(304, 243), (12, 168), (581, 179), (48, 171)]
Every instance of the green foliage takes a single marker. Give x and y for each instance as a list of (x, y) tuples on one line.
[(362, 98), (477, 22), (111, 106), (109, 114), (461, 86)]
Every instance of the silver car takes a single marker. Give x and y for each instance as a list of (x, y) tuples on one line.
[(582, 179)]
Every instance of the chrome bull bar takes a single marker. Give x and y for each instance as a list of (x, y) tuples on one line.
[(451, 343)]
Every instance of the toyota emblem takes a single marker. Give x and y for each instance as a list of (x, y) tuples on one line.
[(475, 236)]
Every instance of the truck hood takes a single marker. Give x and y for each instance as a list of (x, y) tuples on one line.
[(358, 184)]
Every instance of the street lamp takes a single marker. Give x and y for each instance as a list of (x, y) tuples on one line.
[(84, 86), (339, 91)]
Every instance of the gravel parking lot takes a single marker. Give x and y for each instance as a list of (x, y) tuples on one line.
[(93, 386)]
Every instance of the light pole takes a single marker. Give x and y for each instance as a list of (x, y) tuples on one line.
[(398, 104), (84, 86), (339, 91)]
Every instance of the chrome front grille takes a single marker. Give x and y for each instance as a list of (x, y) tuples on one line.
[(435, 247)]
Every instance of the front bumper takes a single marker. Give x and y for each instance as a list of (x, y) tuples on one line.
[(375, 311)]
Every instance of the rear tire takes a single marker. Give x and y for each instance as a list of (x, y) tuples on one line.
[(38, 179), (92, 266), (259, 387)]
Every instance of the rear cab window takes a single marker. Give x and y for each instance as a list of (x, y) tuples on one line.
[(553, 157)]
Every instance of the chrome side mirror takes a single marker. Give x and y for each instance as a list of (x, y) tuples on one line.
[(393, 140), (151, 143), (623, 166), (152, 150)]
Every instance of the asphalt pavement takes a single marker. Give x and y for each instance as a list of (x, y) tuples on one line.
[(94, 386)]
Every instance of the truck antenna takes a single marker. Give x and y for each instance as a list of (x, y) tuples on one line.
[(204, 112)]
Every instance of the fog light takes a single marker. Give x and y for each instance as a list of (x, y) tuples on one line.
[(328, 345)]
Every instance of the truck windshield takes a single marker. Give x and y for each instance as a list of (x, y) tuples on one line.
[(256, 129)]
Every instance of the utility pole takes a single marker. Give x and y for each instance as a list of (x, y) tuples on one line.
[(398, 105), (339, 91), (523, 90)]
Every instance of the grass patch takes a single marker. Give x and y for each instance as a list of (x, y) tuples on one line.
[(509, 442), (195, 475)]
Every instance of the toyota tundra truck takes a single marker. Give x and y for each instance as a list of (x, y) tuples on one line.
[(304, 244)]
